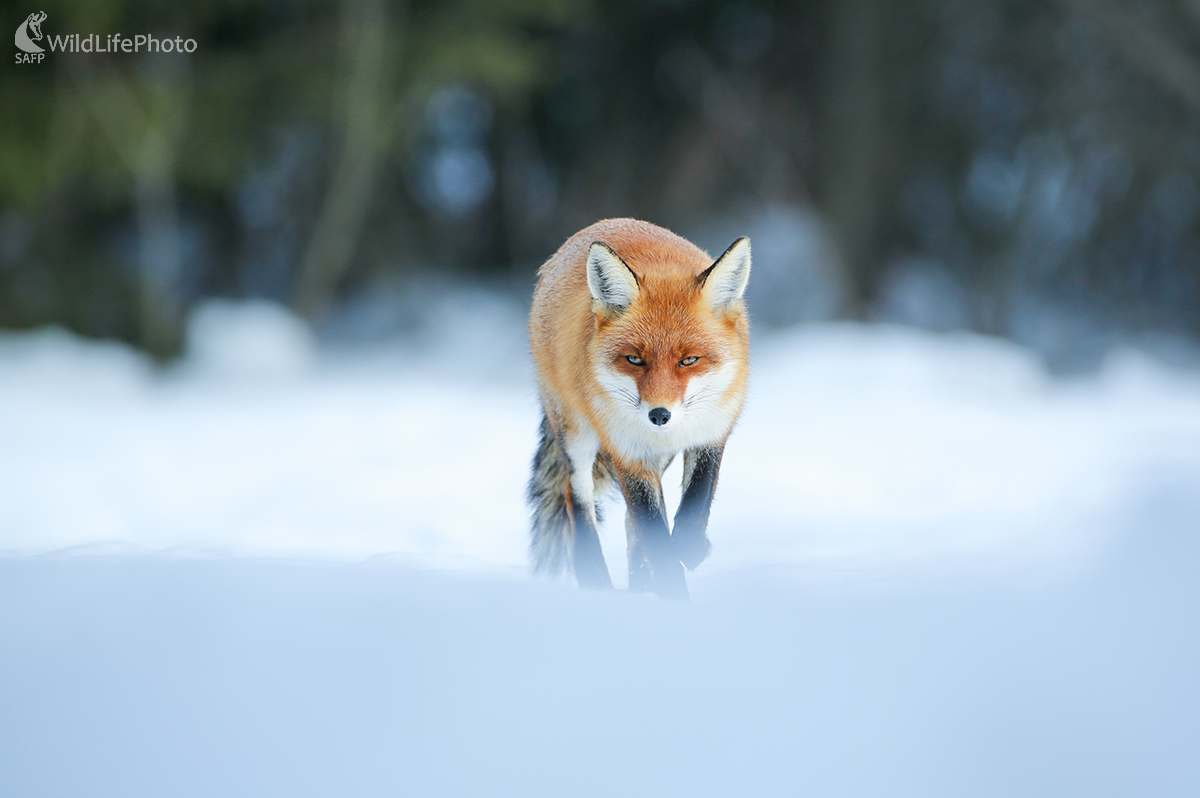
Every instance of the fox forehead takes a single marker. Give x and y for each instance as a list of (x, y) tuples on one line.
[(664, 322)]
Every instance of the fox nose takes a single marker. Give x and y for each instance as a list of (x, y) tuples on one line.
[(660, 416)]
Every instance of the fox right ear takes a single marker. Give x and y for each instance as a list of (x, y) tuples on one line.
[(725, 281), (612, 284)]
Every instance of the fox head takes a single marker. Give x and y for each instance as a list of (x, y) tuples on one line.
[(672, 337)]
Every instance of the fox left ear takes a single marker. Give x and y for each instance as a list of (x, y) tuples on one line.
[(611, 282), (724, 282)]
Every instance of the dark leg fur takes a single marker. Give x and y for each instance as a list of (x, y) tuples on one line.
[(641, 574), (644, 500), (563, 533), (689, 539), (590, 569)]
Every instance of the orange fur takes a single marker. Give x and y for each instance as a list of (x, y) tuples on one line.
[(669, 321), (640, 343)]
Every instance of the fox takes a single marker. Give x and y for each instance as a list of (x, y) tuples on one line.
[(640, 344)]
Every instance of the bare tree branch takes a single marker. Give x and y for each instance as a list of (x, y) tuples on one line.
[(364, 139), (146, 135), (1193, 8), (1145, 48)]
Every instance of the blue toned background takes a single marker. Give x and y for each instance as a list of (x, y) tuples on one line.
[(266, 406)]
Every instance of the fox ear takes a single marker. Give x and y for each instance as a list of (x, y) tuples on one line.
[(613, 284), (724, 282)]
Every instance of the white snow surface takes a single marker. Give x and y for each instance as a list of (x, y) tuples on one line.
[(277, 569)]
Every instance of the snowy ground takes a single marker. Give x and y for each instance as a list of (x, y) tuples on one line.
[(278, 570)]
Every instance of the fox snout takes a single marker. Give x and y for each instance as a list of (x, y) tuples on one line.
[(660, 416)]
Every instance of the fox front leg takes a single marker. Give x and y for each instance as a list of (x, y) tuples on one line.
[(690, 539), (641, 573), (649, 536), (588, 560)]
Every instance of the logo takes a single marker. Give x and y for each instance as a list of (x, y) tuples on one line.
[(32, 23), (30, 32)]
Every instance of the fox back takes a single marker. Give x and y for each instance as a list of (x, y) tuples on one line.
[(640, 343)]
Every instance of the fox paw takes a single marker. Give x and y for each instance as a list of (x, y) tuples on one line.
[(669, 582), (691, 549), (641, 577)]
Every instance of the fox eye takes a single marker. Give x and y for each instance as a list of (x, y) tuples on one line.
[(689, 361), (635, 360)]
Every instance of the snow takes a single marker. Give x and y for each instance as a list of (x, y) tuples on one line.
[(281, 568)]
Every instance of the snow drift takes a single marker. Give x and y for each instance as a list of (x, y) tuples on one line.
[(277, 569)]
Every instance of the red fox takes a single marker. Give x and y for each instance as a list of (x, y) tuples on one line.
[(640, 342)]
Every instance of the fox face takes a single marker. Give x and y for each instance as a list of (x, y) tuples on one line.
[(670, 339)]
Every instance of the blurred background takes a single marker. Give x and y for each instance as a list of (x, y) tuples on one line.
[(1019, 168), (266, 406)]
